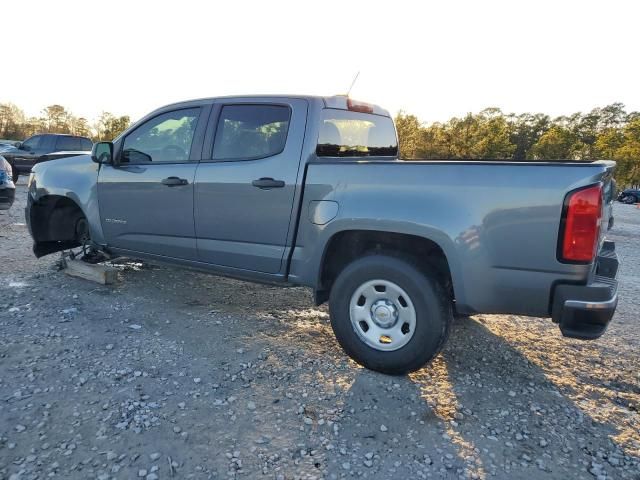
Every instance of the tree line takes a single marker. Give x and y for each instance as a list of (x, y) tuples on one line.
[(15, 125), (603, 133), (609, 132)]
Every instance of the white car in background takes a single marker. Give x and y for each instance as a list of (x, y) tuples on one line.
[(7, 187), (7, 144)]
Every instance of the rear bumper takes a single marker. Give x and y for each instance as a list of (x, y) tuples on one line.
[(584, 311)]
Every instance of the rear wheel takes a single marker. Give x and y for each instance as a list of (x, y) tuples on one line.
[(388, 315)]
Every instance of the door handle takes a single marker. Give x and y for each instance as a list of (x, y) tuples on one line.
[(174, 181), (266, 183)]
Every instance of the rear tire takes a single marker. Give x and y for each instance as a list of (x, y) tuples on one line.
[(377, 326)]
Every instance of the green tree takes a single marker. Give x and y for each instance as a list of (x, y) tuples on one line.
[(108, 126), (56, 119), (436, 142), (557, 143), (526, 129), (482, 136), (608, 142), (628, 155), (494, 136), (409, 135), (80, 126), (11, 121)]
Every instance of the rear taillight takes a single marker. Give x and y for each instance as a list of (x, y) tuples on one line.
[(581, 225)]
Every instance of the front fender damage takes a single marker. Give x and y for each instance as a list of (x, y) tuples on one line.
[(53, 223)]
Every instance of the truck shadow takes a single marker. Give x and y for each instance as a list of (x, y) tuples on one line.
[(482, 408), (507, 396)]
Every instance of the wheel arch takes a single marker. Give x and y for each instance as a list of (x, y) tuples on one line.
[(52, 221), (344, 246)]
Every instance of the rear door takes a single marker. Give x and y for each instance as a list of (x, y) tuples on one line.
[(146, 201), (244, 190)]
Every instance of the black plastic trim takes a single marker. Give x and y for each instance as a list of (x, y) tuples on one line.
[(584, 311)]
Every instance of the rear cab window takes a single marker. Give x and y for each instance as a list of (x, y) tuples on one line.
[(345, 133), (48, 143), (86, 144), (67, 144)]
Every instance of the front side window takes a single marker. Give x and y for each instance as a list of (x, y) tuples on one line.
[(32, 143), (351, 134), (251, 131), (165, 138)]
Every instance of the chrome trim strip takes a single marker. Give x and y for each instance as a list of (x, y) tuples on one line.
[(584, 305)]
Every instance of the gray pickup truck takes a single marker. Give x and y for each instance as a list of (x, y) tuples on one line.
[(301, 190)]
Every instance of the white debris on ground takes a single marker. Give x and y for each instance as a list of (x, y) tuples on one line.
[(172, 373)]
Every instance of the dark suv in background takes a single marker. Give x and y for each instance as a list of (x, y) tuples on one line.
[(630, 196), (43, 147)]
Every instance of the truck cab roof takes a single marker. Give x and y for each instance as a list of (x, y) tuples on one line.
[(339, 102)]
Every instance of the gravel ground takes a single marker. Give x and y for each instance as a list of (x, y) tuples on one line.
[(173, 373)]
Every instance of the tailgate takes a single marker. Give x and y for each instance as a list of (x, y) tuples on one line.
[(608, 193)]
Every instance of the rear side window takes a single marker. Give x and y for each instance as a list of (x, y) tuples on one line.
[(351, 134), (86, 144), (251, 131), (67, 144)]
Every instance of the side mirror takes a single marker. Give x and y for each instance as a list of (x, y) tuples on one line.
[(102, 152), (18, 145)]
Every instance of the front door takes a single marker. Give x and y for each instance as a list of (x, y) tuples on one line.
[(32, 148), (244, 193), (146, 199)]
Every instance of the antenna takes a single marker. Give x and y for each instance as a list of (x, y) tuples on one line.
[(353, 83)]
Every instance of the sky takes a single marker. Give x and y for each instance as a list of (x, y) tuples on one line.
[(435, 59)]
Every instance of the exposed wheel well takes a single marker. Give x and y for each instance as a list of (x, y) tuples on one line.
[(53, 222), (344, 247)]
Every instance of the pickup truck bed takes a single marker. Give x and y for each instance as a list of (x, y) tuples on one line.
[(309, 191), (496, 222)]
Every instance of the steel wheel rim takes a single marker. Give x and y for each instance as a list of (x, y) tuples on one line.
[(382, 315)]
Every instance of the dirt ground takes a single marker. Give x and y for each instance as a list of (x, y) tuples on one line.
[(176, 374)]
